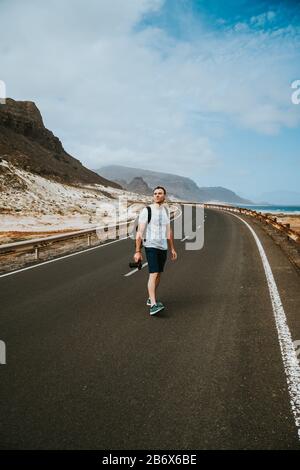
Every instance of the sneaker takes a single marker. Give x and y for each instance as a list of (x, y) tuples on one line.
[(148, 303), (156, 308)]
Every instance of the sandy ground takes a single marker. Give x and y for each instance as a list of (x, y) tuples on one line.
[(11, 237), (293, 220)]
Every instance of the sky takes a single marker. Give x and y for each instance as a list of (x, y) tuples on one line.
[(193, 87)]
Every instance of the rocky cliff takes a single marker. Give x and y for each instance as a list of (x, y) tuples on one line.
[(25, 141), (136, 185)]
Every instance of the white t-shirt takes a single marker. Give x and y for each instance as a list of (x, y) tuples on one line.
[(156, 232)]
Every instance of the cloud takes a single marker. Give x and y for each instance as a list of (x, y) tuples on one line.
[(240, 27), (115, 93), (263, 19)]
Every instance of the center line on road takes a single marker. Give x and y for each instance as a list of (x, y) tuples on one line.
[(54, 260), (288, 353)]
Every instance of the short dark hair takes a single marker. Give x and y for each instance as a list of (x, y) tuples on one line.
[(160, 187)]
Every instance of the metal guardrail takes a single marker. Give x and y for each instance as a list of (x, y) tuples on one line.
[(267, 219), (42, 242)]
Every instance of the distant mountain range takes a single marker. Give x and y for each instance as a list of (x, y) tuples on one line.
[(25, 142), (178, 186)]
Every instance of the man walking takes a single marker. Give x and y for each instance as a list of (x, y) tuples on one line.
[(156, 239)]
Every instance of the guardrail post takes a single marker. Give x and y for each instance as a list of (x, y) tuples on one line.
[(36, 253), (89, 239)]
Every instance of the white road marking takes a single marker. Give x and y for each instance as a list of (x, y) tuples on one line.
[(288, 353), (135, 270), (62, 257)]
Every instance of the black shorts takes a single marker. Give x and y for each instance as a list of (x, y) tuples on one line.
[(156, 259)]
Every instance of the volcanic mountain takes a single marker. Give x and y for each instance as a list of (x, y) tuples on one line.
[(26, 143)]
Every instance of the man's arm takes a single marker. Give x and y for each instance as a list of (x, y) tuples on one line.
[(139, 237), (138, 242), (170, 239)]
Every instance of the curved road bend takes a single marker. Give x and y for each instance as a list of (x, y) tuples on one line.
[(88, 368)]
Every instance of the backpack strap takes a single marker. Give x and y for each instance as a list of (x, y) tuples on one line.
[(149, 216), (149, 213)]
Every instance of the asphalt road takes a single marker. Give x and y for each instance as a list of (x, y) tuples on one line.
[(89, 368)]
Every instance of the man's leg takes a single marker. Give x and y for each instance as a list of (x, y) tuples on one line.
[(152, 282)]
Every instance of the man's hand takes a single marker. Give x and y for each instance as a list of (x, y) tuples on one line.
[(137, 256), (173, 255)]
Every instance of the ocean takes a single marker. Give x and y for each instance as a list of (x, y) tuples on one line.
[(272, 208)]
